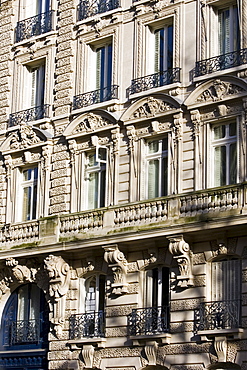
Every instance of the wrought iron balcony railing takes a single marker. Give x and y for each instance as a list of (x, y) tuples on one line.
[(155, 80), (89, 324), (220, 62), (28, 115), (88, 8), (34, 26), (218, 315), (96, 96), (25, 332), (148, 321)]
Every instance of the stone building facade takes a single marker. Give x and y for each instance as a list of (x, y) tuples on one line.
[(123, 193)]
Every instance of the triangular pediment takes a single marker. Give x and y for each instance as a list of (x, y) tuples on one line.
[(150, 107)]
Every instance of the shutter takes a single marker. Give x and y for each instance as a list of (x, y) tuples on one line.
[(40, 85), (34, 75), (236, 28), (217, 280), (98, 68), (92, 190), (157, 51), (109, 66), (224, 31)]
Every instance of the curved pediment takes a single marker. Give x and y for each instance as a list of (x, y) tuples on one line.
[(24, 138), (150, 107), (216, 90), (88, 123)]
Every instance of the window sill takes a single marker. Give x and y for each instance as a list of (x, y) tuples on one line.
[(98, 15), (79, 343), (138, 340), (105, 104), (35, 38), (235, 333)]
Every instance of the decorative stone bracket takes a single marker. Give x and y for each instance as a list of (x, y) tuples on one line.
[(59, 280), (220, 345), (151, 349), (118, 263), (181, 251)]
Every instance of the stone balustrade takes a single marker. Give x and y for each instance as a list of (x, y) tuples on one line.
[(222, 203)]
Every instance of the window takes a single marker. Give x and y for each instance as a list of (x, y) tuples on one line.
[(224, 147), (163, 57), (95, 293), (25, 317), (157, 167), (29, 193), (228, 30), (36, 83), (104, 71), (36, 7), (95, 175), (157, 287)]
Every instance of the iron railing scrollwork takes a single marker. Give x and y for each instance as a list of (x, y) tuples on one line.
[(34, 26), (25, 331), (89, 324), (94, 97), (218, 315), (28, 115), (148, 321), (220, 62), (88, 8), (154, 80)]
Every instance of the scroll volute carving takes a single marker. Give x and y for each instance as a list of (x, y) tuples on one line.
[(182, 253), (118, 263), (59, 279)]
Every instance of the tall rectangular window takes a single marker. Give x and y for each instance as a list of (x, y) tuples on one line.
[(34, 86), (157, 168), (163, 57), (96, 179), (224, 146), (228, 30), (35, 7), (29, 193)]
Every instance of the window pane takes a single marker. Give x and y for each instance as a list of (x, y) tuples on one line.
[(93, 190), (164, 144), (34, 302), (232, 129), (27, 174), (164, 176), (219, 132), (26, 206), (153, 146), (233, 163), (91, 160), (169, 47), (153, 178), (224, 31), (91, 294), (22, 313), (102, 188), (220, 165), (34, 205)]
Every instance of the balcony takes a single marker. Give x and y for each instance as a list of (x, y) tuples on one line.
[(87, 325), (94, 97), (25, 332), (218, 316), (89, 8), (155, 80), (148, 321), (28, 115), (220, 62), (34, 26)]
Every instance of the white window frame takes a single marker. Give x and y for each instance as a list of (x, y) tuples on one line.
[(160, 155), (99, 167), (31, 8), (151, 29), (84, 282), (149, 286), (34, 85), (226, 141), (23, 184)]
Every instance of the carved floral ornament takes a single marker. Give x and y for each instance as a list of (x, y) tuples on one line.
[(53, 277), (118, 263)]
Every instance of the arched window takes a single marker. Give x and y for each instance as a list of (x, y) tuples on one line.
[(25, 326)]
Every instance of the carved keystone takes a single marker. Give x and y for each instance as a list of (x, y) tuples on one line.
[(181, 251), (118, 263)]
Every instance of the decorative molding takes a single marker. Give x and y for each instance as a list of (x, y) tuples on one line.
[(118, 263), (90, 123), (87, 355), (24, 137), (182, 253), (151, 352), (219, 90), (150, 108), (59, 278), (22, 274), (220, 345)]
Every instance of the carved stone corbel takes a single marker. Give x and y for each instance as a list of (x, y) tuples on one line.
[(118, 263), (87, 354), (151, 349), (220, 345), (59, 279), (181, 251), (22, 274)]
